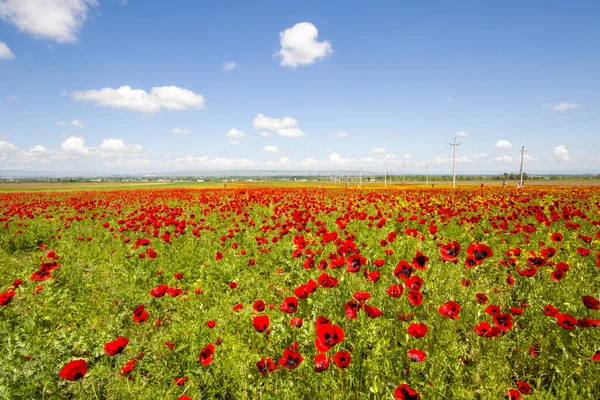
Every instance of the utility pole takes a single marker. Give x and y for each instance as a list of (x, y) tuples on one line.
[(426, 175), (522, 151), (454, 163)]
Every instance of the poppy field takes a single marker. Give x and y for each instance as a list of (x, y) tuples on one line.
[(264, 293)]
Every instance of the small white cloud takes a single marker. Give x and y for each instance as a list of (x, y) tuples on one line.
[(561, 154), (565, 106), (38, 149), (112, 145), (479, 155), (461, 134), (235, 134), (272, 149), (272, 124), (299, 45), (61, 123), (77, 123), (339, 135), (235, 142), (159, 98), (408, 156), (5, 52), (309, 162), (75, 146), (291, 133), (6, 146), (266, 134), (378, 150), (231, 66), (505, 158), (335, 158), (12, 98), (503, 144), (180, 131), (284, 160), (58, 20)]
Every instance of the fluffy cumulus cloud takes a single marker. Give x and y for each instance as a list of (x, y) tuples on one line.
[(272, 149), (339, 135), (503, 144), (6, 146), (266, 134), (180, 131), (231, 66), (273, 124), (77, 123), (75, 146), (561, 154), (461, 134), (291, 133), (5, 52), (564, 106), (378, 150), (38, 149), (299, 45), (57, 20), (112, 145), (235, 134), (159, 98)]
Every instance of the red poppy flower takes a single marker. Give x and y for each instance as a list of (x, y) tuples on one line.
[(557, 237), (159, 291), (328, 335), (174, 292), (524, 387), (596, 356), (74, 370), (233, 285), (291, 357), (290, 305), (261, 322), (415, 297), (238, 307), (450, 309), (415, 355), (591, 302), (551, 311), (352, 308), (372, 312), (206, 354), (327, 281), (321, 362), (513, 394), (481, 298), (361, 296), (116, 346), (218, 256), (395, 291), (566, 321), (296, 322), (503, 321), (259, 305), (180, 381), (417, 330), (403, 271), (303, 291), (450, 251), (534, 350), (342, 359), (266, 366), (414, 283), (420, 260), (6, 297), (170, 345), (139, 314), (486, 330), (404, 392), (480, 252), (211, 324), (372, 276)]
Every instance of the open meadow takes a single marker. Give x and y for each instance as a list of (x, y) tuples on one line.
[(300, 293)]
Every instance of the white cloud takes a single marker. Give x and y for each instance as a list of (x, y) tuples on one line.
[(565, 106), (211, 163), (61, 123), (378, 150), (309, 162), (112, 145), (408, 156), (561, 154), (461, 134), (479, 155), (266, 134), (503, 144), (272, 149), (284, 160), (235, 142), (77, 123), (291, 133), (180, 131), (6, 146), (505, 158), (235, 134), (58, 20), (12, 98), (335, 158), (231, 66), (299, 45), (272, 124), (339, 135), (75, 146), (38, 149), (159, 98), (5, 52)]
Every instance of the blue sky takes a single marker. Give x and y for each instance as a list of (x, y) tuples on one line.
[(338, 85)]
